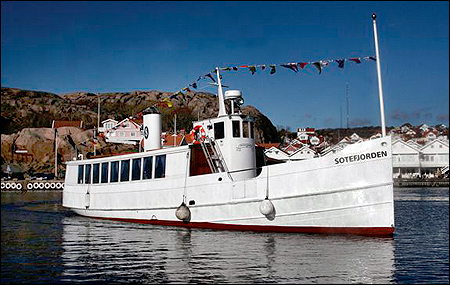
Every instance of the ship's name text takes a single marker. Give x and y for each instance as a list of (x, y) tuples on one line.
[(359, 157)]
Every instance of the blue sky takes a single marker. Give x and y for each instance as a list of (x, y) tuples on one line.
[(64, 47)]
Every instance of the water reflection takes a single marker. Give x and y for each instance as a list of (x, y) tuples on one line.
[(109, 251)]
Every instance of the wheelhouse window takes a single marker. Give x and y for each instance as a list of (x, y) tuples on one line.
[(147, 167), (245, 129), (125, 170), (252, 131), (80, 174), (219, 131), (160, 166), (136, 169), (95, 173), (114, 171), (105, 172), (236, 129), (87, 176)]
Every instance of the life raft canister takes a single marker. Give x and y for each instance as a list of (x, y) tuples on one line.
[(198, 134)]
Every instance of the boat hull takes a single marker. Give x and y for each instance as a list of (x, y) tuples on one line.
[(349, 192)]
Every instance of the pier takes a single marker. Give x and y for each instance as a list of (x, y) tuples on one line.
[(417, 182)]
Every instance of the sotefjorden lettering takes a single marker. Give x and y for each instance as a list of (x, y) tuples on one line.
[(360, 157)]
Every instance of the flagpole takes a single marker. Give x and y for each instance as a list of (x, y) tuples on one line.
[(380, 86), (222, 110)]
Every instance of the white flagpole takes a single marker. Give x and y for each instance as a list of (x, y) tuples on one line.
[(222, 110), (380, 86)]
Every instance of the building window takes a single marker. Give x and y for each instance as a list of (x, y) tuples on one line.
[(160, 166), (236, 129), (104, 172), (147, 167), (80, 174), (219, 131), (136, 169), (95, 173), (125, 170), (87, 176), (114, 171), (133, 134)]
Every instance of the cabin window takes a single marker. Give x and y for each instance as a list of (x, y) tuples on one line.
[(104, 172), (236, 129), (252, 134), (160, 166), (80, 174), (219, 131), (87, 176), (136, 169), (114, 171), (95, 173), (125, 170), (245, 130), (147, 167)]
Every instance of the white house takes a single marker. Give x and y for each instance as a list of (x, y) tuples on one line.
[(434, 155), (276, 153), (303, 153), (405, 159), (107, 125), (126, 131), (333, 149), (355, 138)]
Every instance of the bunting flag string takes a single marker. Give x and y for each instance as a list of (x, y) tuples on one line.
[(272, 68)]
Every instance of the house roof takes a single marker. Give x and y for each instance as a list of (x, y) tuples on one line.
[(171, 140), (110, 120), (58, 124), (268, 145)]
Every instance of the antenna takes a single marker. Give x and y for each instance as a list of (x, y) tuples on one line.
[(346, 92)]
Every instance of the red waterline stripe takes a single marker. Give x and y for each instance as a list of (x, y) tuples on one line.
[(364, 231)]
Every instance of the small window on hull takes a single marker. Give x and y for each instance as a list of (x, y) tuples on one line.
[(125, 170), (114, 171), (136, 171), (160, 166), (105, 172), (87, 176), (95, 173), (147, 167), (80, 174)]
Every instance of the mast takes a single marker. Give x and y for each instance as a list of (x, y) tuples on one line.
[(222, 110), (380, 86)]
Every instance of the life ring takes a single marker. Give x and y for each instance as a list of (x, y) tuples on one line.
[(198, 134), (30, 186), (19, 186), (53, 185), (47, 185), (41, 185), (7, 185), (3, 185), (58, 185), (36, 185), (13, 185)]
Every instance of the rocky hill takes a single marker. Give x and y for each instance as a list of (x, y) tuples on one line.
[(26, 118)]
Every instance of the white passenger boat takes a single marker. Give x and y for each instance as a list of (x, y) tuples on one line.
[(216, 183)]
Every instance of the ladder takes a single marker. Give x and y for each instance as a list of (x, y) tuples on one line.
[(213, 156)]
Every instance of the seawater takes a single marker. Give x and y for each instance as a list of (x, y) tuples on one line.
[(44, 243)]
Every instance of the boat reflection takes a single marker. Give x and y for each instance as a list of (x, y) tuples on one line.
[(109, 251)]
